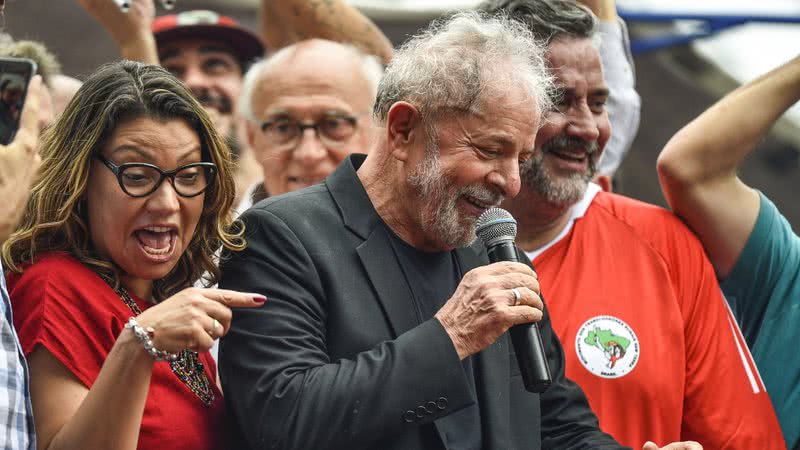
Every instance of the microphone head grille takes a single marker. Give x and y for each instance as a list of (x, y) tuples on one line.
[(496, 224)]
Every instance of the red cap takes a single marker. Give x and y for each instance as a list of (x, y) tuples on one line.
[(204, 24)]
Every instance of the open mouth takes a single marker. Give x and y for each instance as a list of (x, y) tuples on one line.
[(569, 155), (477, 205), (157, 243), (218, 102), (571, 159)]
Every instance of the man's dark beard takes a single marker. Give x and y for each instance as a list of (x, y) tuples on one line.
[(556, 189), (214, 100)]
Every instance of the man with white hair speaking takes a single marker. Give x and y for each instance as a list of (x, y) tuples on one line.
[(308, 107), (385, 326)]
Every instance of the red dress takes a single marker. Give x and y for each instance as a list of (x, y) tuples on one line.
[(68, 309)]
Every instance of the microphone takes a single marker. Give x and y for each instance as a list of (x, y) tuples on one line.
[(497, 229)]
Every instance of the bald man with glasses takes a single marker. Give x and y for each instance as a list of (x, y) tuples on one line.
[(308, 107)]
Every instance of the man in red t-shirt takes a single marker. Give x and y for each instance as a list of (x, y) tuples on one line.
[(646, 332)]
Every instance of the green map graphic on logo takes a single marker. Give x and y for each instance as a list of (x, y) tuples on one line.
[(612, 345)]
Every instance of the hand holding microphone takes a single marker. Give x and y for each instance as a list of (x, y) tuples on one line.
[(488, 301), (500, 297), (498, 229)]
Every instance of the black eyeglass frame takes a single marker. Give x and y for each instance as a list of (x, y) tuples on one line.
[(119, 169), (303, 126)]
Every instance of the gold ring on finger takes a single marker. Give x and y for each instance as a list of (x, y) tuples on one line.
[(214, 327), (517, 296)]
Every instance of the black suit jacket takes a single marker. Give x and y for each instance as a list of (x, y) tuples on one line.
[(337, 359)]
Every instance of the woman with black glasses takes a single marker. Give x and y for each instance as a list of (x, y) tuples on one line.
[(133, 202)]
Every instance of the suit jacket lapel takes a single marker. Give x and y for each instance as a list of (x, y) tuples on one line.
[(387, 278), (376, 252), (492, 372)]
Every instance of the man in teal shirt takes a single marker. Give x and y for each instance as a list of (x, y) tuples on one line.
[(753, 249)]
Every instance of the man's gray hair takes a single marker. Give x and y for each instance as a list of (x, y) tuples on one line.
[(371, 67), (548, 19), (446, 68)]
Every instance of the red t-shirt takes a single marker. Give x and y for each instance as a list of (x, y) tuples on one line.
[(68, 309), (647, 334)]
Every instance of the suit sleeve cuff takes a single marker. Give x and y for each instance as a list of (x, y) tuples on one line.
[(445, 387)]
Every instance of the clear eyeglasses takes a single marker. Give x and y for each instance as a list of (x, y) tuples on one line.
[(333, 130)]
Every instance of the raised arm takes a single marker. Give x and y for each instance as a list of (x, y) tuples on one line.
[(130, 30), (697, 168), (284, 22)]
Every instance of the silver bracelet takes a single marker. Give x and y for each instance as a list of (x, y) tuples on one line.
[(144, 336)]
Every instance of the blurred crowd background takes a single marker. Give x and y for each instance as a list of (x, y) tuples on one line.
[(676, 82)]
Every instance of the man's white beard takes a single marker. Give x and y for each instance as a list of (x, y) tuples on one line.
[(439, 214)]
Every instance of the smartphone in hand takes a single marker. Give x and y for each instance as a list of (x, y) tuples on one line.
[(15, 74)]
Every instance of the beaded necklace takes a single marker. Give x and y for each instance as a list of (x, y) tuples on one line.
[(186, 366)]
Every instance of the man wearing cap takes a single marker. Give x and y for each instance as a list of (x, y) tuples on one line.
[(209, 53)]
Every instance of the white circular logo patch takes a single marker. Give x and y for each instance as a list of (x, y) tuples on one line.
[(607, 347)]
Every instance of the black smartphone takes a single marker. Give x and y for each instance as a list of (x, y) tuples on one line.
[(15, 74)]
